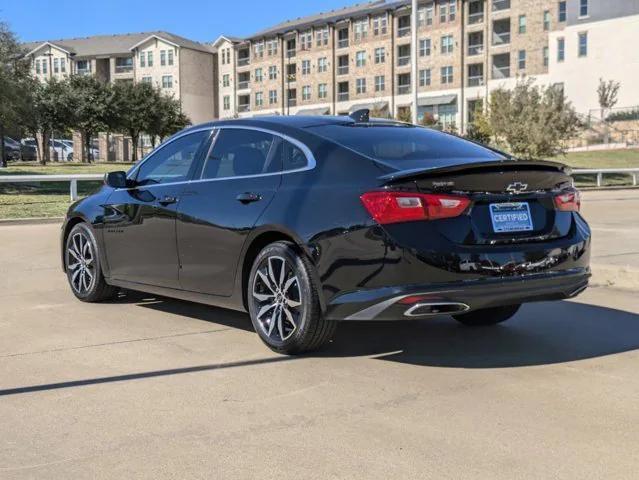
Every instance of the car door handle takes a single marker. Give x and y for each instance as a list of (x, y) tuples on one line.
[(166, 201), (248, 198)]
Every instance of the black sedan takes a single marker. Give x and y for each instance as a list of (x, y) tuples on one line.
[(308, 221)]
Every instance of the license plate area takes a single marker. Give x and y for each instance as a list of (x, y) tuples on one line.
[(511, 217)]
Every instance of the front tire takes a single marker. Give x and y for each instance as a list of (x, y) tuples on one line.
[(283, 301), (488, 316), (84, 271)]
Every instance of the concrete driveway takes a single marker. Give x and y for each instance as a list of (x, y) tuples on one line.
[(155, 388)]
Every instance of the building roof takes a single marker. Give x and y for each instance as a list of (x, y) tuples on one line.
[(107, 45), (353, 11)]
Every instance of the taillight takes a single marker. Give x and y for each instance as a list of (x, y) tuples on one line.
[(569, 201), (397, 207)]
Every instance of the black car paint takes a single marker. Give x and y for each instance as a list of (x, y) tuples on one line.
[(200, 247)]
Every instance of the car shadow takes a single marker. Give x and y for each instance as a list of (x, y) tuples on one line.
[(540, 334)]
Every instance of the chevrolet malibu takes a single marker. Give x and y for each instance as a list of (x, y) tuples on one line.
[(305, 222)]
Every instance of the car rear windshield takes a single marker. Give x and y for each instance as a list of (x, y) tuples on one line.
[(404, 147)]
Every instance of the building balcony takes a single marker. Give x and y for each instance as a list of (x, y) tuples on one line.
[(244, 108), (403, 89), (291, 53), (499, 5), (124, 69), (501, 72), (476, 81), (403, 61), (500, 39), (292, 102), (475, 18), (243, 62), (342, 70), (476, 49), (243, 85), (403, 32), (343, 97)]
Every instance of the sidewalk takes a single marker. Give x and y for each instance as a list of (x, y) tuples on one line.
[(614, 218)]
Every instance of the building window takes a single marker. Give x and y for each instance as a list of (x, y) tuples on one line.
[(163, 58), (545, 56), (167, 81), (380, 83), (321, 37), (149, 59), (259, 99), (37, 66), (147, 79), (443, 11), (170, 54), (259, 75), (272, 72), (424, 77), (583, 44), (226, 80), (142, 59), (360, 86), (562, 11), (271, 47), (227, 102), (306, 40), (44, 67), (306, 67), (360, 59), (306, 92), (521, 60), (452, 10), (380, 25), (424, 47), (583, 8), (258, 49), (322, 90), (361, 29), (447, 75), (63, 65), (522, 23), (272, 97), (56, 66), (447, 44), (429, 13), (322, 65), (380, 55), (561, 49), (82, 67), (546, 20)]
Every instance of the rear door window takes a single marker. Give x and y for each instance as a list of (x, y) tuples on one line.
[(240, 153)]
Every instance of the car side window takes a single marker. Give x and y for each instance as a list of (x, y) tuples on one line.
[(173, 162), (293, 158), (239, 153)]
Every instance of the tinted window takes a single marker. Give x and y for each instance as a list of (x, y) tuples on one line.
[(240, 153), (288, 157), (173, 162), (404, 147)]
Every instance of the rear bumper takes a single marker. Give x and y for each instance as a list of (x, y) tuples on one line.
[(386, 303)]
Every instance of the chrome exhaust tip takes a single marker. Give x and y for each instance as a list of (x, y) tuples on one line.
[(433, 309)]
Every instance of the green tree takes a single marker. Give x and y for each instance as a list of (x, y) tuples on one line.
[(54, 110), (95, 109), (608, 92), (14, 84), (404, 115), (479, 128), (166, 119), (135, 106), (532, 121)]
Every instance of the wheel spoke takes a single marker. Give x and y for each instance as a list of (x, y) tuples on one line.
[(289, 317), (271, 273), (288, 284), (293, 303), (75, 277), (73, 266), (273, 321), (280, 325), (282, 274), (261, 297), (74, 254), (89, 261), (263, 310), (89, 274)]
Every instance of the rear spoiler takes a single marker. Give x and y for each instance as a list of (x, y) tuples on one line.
[(458, 167)]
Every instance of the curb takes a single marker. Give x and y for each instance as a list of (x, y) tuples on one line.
[(31, 221), (625, 278)]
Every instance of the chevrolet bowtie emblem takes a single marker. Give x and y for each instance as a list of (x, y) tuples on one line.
[(517, 187)]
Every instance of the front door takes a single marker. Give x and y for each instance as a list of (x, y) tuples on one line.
[(139, 226), (239, 179)]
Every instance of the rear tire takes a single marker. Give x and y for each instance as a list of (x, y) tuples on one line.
[(283, 301), (488, 316), (84, 271)]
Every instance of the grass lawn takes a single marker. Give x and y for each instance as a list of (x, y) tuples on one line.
[(603, 159), (19, 200)]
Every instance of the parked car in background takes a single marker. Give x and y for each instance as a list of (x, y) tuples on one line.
[(93, 151), (307, 221), (12, 150)]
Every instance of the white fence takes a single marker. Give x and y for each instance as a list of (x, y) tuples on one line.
[(74, 179)]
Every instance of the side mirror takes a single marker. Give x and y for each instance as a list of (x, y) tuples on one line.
[(116, 180)]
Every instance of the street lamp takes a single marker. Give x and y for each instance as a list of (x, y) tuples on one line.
[(413, 54)]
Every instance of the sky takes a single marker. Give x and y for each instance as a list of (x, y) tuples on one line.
[(198, 20)]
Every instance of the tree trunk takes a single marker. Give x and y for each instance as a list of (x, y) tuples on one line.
[(134, 148), (3, 158), (46, 150)]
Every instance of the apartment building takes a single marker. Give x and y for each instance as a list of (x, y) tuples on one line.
[(360, 56), (180, 67)]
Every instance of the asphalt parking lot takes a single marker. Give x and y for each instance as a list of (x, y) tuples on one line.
[(155, 388)]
